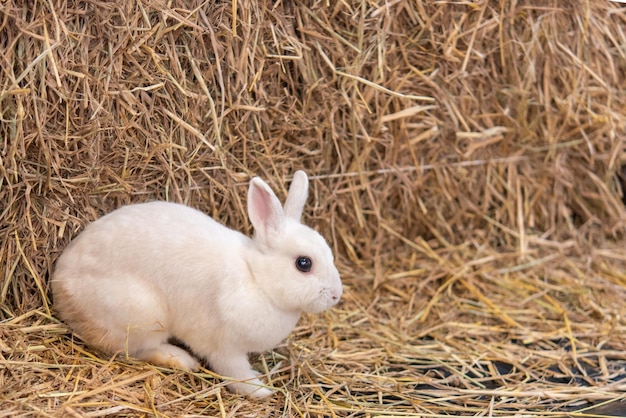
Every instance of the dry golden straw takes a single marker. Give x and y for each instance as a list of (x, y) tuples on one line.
[(466, 160)]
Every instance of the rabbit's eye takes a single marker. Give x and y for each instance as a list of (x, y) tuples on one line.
[(304, 264)]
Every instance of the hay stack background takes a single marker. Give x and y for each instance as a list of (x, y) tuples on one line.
[(464, 159)]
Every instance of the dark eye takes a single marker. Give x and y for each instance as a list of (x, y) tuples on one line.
[(304, 264)]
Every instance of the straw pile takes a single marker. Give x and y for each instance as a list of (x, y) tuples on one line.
[(465, 160)]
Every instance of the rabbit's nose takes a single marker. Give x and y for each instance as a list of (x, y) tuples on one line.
[(336, 294)]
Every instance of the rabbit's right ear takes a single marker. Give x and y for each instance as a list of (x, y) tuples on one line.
[(298, 193), (264, 210)]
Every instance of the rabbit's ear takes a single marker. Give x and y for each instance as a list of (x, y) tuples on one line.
[(298, 193), (264, 210)]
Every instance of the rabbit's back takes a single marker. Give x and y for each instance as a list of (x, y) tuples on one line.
[(137, 263), (147, 239)]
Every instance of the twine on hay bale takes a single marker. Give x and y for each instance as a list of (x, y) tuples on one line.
[(464, 159)]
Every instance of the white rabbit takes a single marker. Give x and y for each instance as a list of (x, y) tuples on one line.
[(147, 274)]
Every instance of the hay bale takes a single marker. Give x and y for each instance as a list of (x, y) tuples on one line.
[(464, 158)]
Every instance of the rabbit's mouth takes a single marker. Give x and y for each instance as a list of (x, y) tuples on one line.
[(327, 298)]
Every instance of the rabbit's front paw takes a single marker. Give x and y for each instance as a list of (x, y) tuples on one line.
[(253, 388), (243, 379)]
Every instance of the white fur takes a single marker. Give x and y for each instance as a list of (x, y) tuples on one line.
[(146, 273)]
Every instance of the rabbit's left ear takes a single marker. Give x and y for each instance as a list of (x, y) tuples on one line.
[(264, 210), (296, 198)]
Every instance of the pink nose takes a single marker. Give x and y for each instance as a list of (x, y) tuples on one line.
[(336, 295)]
